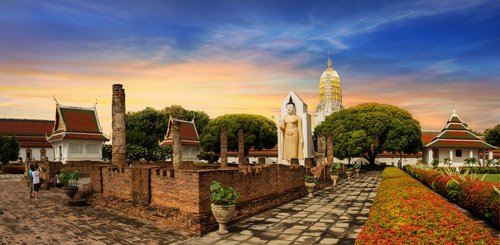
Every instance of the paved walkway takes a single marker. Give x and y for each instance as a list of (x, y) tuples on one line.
[(50, 221), (332, 216)]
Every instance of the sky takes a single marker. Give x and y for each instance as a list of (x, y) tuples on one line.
[(428, 57)]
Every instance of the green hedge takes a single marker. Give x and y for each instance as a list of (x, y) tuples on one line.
[(407, 212)]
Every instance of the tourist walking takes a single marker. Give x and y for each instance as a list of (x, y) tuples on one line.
[(36, 182), (30, 179)]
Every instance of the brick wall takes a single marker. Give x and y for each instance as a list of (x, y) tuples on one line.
[(181, 199), (84, 168)]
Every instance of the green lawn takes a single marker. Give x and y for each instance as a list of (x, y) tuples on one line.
[(490, 177)]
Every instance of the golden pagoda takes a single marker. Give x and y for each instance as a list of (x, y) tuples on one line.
[(330, 93)]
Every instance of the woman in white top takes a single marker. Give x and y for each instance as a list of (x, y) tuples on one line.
[(36, 182)]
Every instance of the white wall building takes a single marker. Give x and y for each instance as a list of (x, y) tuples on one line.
[(77, 134)]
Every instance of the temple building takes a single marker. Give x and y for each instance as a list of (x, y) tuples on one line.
[(190, 140), (31, 136), (77, 134), (457, 143), (330, 94)]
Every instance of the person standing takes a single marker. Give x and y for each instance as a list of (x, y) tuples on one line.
[(30, 179), (36, 182)]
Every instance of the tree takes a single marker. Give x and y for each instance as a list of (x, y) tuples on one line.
[(492, 135), (201, 118), (370, 129), (9, 149), (107, 151), (144, 130), (260, 132)]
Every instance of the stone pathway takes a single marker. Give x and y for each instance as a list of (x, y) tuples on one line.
[(10, 177), (50, 221), (332, 216)]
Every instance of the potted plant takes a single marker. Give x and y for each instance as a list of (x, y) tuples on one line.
[(70, 179), (357, 167), (348, 171), (310, 183), (223, 200), (334, 172)]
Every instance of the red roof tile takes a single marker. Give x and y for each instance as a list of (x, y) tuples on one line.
[(427, 136), (455, 126), (188, 136), (460, 144), (457, 135), (79, 120), (25, 127), (455, 119)]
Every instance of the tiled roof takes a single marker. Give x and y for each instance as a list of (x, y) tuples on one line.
[(189, 135), (25, 127), (80, 136), (79, 119), (457, 135), (29, 133), (427, 136), (448, 134), (76, 123), (460, 144), (456, 126)]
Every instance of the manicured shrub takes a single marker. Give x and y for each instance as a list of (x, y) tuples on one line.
[(493, 170), (406, 212), (472, 194), (13, 169)]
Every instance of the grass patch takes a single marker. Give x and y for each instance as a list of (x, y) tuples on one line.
[(490, 177)]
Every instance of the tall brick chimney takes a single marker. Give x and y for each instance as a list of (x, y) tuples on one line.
[(118, 124)]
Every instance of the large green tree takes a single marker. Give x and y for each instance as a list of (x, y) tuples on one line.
[(492, 135), (369, 129), (144, 130), (201, 118), (260, 132), (9, 149)]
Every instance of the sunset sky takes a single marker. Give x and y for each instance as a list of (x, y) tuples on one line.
[(221, 57)]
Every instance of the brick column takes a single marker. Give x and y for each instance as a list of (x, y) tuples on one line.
[(241, 147), (223, 147), (177, 147), (321, 150), (329, 148), (118, 124)]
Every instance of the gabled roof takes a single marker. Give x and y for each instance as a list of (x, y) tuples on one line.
[(189, 134), (457, 135), (76, 123), (428, 136), (29, 132)]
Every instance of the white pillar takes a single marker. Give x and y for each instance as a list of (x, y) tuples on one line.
[(490, 154), (471, 154), (430, 155), (451, 155)]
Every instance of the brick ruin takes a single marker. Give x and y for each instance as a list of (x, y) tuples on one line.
[(178, 197)]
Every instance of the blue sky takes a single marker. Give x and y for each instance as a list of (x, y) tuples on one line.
[(244, 56)]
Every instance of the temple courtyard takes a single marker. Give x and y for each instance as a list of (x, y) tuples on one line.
[(332, 216)]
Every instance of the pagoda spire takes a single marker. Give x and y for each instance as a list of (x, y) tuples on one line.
[(329, 60)]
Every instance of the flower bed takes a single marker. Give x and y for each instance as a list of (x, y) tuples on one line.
[(472, 194), (407, 212)]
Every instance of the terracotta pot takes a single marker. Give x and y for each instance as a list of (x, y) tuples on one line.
[(334, 178), (223, 214), (310, 188)]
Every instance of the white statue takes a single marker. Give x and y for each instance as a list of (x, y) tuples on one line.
[(294, 131), (291, 127)]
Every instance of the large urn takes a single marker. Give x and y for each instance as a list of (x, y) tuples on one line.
[(348, 172), (223, 214), (334, 178), (310, 188)]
